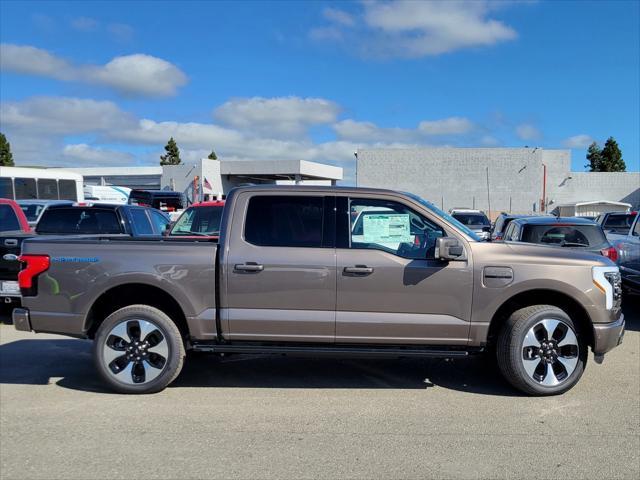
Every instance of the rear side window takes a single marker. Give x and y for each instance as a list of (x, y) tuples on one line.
[(79, 221), (6, 188), (284, 221), (48, 189), (8, 219), (25, 188), (564, 235), (68, 190), (141, 222), (199, 220)]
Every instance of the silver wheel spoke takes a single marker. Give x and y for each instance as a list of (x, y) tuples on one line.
[(161, 349), (550, 326), (125, 376), (530, 340), (150, 372), (569, 363), (531, 365), (569, 338), (550, 379), (145, 329), (110, 354), (120, 331)]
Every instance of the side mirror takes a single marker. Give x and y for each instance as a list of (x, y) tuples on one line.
[(448, 248)]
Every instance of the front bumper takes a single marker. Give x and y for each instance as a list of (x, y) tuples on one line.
[(21, 320), (607, 336)]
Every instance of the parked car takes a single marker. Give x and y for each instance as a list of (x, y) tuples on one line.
[(616, 222), (628, 249), (287, 278), (13, 228), (501, 224), (567, 232), (476, 220), (33, 209), (199, 220)]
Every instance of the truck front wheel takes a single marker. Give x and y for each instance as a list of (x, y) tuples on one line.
[(540, 351), (138, 349)]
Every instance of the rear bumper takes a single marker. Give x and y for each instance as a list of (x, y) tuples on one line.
[(607, 336), (21, 320)]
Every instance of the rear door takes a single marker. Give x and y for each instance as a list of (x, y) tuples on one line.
[(280, 268)]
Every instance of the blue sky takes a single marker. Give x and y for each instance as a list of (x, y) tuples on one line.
[(107, 83)]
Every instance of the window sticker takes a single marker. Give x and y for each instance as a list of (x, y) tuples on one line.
[(387, 228)]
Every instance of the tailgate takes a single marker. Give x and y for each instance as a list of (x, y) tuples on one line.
[(10, 245)]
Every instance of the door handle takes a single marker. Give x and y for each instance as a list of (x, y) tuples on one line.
[(248, 267), (359, 270)]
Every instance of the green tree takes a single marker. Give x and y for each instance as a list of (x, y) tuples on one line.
[(6, 158), (594, 156), (612, 157), (212, 155), (172, 155)]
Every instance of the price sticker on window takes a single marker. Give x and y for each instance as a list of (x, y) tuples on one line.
[(387, 228)]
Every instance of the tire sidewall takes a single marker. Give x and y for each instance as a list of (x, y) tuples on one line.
[(521, 328), (168, 330)]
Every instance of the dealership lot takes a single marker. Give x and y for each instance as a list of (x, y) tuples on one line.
[(275, 417)]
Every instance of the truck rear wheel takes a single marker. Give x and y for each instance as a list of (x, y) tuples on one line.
[(138, 349), (540, 351)]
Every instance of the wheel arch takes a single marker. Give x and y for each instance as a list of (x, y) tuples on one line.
[(134, 293), (565, 302)]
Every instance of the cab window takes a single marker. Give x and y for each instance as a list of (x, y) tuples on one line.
[(392, 227)]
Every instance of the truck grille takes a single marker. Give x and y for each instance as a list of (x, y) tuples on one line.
[(615, 280)]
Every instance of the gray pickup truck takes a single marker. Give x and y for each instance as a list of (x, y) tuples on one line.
[(324, 271)]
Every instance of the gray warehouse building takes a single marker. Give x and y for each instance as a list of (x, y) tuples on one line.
[(518, 180)]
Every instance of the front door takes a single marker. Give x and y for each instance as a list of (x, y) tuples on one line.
[(281, 269), (391, 288)]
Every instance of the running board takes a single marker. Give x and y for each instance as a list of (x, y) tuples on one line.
[(315, 350)]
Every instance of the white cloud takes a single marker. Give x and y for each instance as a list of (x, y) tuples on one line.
[(526, 131), (413, 29), (446, 126), (86, 156), (121, 32), (338, 16), (84, 24), (290, 116), (578, 141), (136, 74)]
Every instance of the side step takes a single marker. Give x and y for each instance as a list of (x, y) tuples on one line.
[(339, 350)]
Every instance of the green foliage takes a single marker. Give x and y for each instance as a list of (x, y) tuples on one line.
[(6, 157), (212, 155), (172, 156), (607, 159)]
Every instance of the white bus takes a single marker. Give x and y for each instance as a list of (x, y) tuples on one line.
[(21, 183)]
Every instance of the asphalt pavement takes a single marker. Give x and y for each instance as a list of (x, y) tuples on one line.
[(283, 417)]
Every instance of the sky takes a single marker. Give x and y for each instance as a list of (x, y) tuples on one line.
[(107, 83)]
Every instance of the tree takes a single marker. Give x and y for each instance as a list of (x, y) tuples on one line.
[(172, 157), (612, 157), (594, 155), (6, 158), (212, 156)]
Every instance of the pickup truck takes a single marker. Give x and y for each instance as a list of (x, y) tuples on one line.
[(627, 244), (287, 276)]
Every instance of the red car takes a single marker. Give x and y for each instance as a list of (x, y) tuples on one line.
[(199, 220)]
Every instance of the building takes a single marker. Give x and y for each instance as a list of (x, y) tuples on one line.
[(212, 178), (519, 180)]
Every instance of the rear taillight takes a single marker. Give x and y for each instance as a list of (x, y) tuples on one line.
[(33, 265), (611, 253)]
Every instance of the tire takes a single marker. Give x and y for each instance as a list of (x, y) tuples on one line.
[(147, 366), (538, 338)]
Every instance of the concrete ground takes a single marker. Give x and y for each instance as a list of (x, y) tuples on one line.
[(276, 417)]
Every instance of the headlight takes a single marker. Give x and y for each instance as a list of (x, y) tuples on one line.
[(608, 281)]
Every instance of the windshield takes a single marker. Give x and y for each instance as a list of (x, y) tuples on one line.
[(199, 221), (584, 236), (8, 219), (76, 220), (619, 222), (472, 219), (466, 230)]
